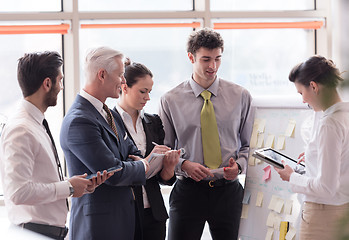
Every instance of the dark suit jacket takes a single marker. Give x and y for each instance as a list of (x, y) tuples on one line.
[(154, 132), (90, 145)]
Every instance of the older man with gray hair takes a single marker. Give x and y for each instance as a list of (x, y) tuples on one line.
[(93, 139)]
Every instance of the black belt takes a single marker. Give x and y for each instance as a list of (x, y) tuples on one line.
[(208, 183), (47, 230)]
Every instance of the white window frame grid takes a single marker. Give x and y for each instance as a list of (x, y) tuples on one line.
[(202, 12)]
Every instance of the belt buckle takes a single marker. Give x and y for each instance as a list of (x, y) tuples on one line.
[(211, 183)]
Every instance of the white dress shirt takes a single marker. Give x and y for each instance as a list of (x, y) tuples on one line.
[(138, 136), (327, 160), (32, 189)]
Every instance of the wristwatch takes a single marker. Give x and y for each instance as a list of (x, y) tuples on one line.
[(71, 189), (240, 170)]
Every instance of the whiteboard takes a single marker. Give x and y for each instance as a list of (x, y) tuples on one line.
[(276, 122)]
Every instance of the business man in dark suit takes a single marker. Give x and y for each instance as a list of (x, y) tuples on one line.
[(94, 139), (145, 129)]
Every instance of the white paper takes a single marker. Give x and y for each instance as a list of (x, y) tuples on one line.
[(273, 201), (270, 219), (279, 205), (270, 234), (288, 207), (251, 160), (217, 171), (244, 213), (259, 200), (155, 164), (291, 233)]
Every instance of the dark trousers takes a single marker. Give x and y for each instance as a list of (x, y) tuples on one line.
[(192, 204), (153, 229)]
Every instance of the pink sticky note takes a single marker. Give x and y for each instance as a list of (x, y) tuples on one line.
[(267, 171)]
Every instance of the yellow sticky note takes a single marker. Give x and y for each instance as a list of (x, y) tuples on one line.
[(251, 160), (244, 213), (283, 230), (270, 141), (291, 233), (260, 140), (279, 205), (270, 234), (290, 128), (259, 200), (280, 143), (288, 207)]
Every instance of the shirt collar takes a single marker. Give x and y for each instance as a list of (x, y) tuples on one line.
[(94, 101), (197, 89), (124, 113), (340, 106), (33, 111)]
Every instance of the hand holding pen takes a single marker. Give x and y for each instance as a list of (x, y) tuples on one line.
[(181, 149)]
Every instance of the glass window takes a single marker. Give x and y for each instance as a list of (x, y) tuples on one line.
[(30, 6), (162, 50), (258, 5), (261, 59), (135, 5)]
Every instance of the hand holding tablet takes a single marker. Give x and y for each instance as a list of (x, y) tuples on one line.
[(274, 158), (109, 170)]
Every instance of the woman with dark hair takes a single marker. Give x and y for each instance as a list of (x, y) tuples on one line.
[(146, 129), (326, 182)]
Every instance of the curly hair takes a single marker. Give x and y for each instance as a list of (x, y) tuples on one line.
[(206, 38)]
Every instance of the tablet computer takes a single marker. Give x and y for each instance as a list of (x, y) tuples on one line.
[(274, 157), (109, 170)]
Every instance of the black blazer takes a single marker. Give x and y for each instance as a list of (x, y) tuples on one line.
[(154, 132)]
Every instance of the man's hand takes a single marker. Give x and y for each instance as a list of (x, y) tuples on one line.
[(170, 161), (144, 160), (161, 149), (98, 180), (285, 173), (232, 171), (195, 170), (79, 184)]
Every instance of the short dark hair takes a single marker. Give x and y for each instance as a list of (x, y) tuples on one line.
[(33, 68), (135, 70), (317, 69), (206, 38)]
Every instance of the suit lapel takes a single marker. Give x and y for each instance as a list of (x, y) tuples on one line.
[(98, 116), (147, 125)]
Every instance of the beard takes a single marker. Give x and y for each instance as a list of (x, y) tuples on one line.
[(51, 97)]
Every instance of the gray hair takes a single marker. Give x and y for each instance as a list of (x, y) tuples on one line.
[(98, 58)]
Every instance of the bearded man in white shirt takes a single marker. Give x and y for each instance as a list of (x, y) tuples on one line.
[(34, 189)]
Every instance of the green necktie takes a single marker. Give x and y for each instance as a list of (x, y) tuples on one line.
[(209, 133)]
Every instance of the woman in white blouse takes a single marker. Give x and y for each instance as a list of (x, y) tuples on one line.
[(326, 182), (146, 129)]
